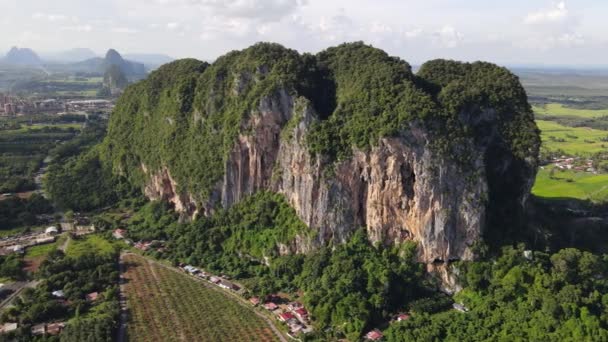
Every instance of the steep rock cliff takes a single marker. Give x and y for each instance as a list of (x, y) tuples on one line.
[(441, 153)]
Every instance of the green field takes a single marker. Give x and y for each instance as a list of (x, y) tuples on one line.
[(578, 140), (88, 244), (569, 184), (559, 109), (40, 250)]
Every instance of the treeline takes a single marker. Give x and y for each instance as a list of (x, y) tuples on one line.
[(539, 297), (17, 212), (353, 287), (77, 179), (347, 287)]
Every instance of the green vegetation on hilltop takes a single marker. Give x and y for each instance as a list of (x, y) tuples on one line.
[(187, 115)]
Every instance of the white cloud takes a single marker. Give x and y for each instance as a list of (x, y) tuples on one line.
[(447, 37), (414, 33), (77, 28), (124, 30), (49, 17), (262, 10), (173, 26), (556, 14)]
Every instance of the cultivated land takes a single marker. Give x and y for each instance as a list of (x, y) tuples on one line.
[(572, 140), (165, 305), (569, 184), (559, 109), (581, 141), (87, 244)]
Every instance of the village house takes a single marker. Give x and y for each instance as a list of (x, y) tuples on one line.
[(91, 297), (38, 329), (403, 317), (119, 234), (460, 307), (215, 279), (374, 335), (295, 305), (8, 327), (254, 300), (228, 285), (51, 231), (286, 316), (55, 328), (301, 313), (295, 328), (270, 306), (58, 294), (143, 246)]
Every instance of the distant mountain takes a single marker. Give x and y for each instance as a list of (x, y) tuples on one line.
[(132, 70), (151, 60), (22, 56), (70, 56)]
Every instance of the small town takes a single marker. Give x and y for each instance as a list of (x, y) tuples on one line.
[(11, 106)]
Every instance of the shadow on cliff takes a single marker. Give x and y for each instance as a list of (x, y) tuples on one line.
[(557, 223)]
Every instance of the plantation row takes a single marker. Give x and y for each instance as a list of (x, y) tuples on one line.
[(167, 306)]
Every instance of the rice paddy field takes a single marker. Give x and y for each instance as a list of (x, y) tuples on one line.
[(165, 305), (571, 185), (573, 141), (559, 109)]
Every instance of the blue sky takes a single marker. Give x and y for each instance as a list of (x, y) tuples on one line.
[(569, 32)]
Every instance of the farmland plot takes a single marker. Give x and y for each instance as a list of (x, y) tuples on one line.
[(168, 306)]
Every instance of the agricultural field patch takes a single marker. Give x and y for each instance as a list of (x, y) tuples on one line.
[(165, 305), (572, 140), (569, 184), (88, 244), (557, 109)]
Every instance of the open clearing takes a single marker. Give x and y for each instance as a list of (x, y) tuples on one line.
[(89, 244), (165, 305), (559, 109), (576, 140)]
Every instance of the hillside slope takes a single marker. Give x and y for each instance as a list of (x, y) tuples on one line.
[(351, 137)]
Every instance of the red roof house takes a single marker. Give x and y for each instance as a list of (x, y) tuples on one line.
[(301, 313), (286, 316), (374, 335), (403, 317), (119, 233), (254, 300), (91, 297)]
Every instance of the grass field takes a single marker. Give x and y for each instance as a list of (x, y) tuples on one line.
[(558, 109), (168, 306), (578, 140), (88, 244), (40, 250), (569, 184)]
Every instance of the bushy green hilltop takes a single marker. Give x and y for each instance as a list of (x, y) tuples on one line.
[(188, 114)]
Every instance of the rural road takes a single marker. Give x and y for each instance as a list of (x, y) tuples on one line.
[(240, 300), (65, 244), (18, 287), (124, 317)]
